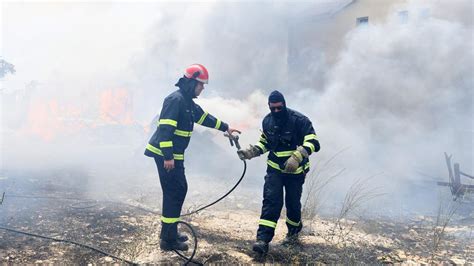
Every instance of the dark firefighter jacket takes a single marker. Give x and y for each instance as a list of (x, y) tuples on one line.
[(176, 122), (282, 139)]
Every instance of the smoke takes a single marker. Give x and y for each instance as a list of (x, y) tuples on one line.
[(399, 96), (397, 92), (69, 104)]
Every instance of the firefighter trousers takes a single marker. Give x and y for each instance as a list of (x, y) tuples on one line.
[(174, 187), (275, 183)]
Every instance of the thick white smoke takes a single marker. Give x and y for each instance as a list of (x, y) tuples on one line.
[(398, 94), (401, 94)]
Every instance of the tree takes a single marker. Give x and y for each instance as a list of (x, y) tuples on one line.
[(5, 68)]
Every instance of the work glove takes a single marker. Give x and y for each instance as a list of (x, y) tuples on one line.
[(292, 164), (249, 153)]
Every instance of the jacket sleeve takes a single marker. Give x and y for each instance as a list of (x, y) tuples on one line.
[(310, 142), (167, 125), (262, 143), (208, 120)]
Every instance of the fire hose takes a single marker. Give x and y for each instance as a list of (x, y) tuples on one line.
[(68, 241), (234, 141)]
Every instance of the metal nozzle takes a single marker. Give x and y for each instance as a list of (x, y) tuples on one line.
[(233, 139)]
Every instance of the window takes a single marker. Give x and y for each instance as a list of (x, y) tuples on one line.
[(403, 16), (362, 21)]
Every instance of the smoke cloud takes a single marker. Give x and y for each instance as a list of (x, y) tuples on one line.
[(397, 94)]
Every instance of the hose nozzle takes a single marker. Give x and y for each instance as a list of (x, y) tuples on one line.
[(233, 139)]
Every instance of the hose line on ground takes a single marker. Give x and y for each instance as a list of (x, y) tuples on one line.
[(69, 242), (190, 259), (193, 232)]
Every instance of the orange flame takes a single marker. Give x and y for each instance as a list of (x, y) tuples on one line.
[(46, 119), (116, 106)]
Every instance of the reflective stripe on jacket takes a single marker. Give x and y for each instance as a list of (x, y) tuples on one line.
[(281, 140), (175, 126)]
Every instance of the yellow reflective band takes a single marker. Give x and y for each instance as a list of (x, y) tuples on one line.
[(167, 220), (159, 152), (178, 156), (218, 124), (277, 167), (261, 146), (306, 166), (310, 136), (203, 116), (310, 146), (273, 165), (166, 144), (293, 223), (154, 149), (283, 153), (267, 223), (262, 139), (182, 133), (170, 122)]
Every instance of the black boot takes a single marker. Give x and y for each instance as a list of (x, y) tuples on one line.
[(292, 235), (261, 247), (173, 245), (290, 239), (182, 237)]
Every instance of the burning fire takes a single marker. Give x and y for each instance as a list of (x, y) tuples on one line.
[(116, 107), (50, 118), (45, 119)]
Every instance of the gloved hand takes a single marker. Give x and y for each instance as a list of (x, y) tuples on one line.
[(249, 153), (292, 164)]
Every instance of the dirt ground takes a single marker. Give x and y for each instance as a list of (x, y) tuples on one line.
[(224, 236), (128, 227)]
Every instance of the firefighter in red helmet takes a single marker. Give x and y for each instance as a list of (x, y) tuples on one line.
[(168, 144), (199, 70)]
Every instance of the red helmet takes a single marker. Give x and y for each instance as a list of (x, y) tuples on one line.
[(197, 72)]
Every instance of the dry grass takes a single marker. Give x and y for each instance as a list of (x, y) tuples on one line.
[(446, 210), (318, 179), (359, 193)]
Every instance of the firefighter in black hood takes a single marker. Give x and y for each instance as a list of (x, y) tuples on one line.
[(167, 146), (290, 138)]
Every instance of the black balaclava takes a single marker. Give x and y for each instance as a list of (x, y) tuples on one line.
[(276, 97), (187, 87)]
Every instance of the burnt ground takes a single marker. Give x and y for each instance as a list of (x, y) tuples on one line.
[(130, 230)]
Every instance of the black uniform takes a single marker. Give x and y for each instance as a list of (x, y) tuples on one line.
[(175, 126), (281, 137)]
